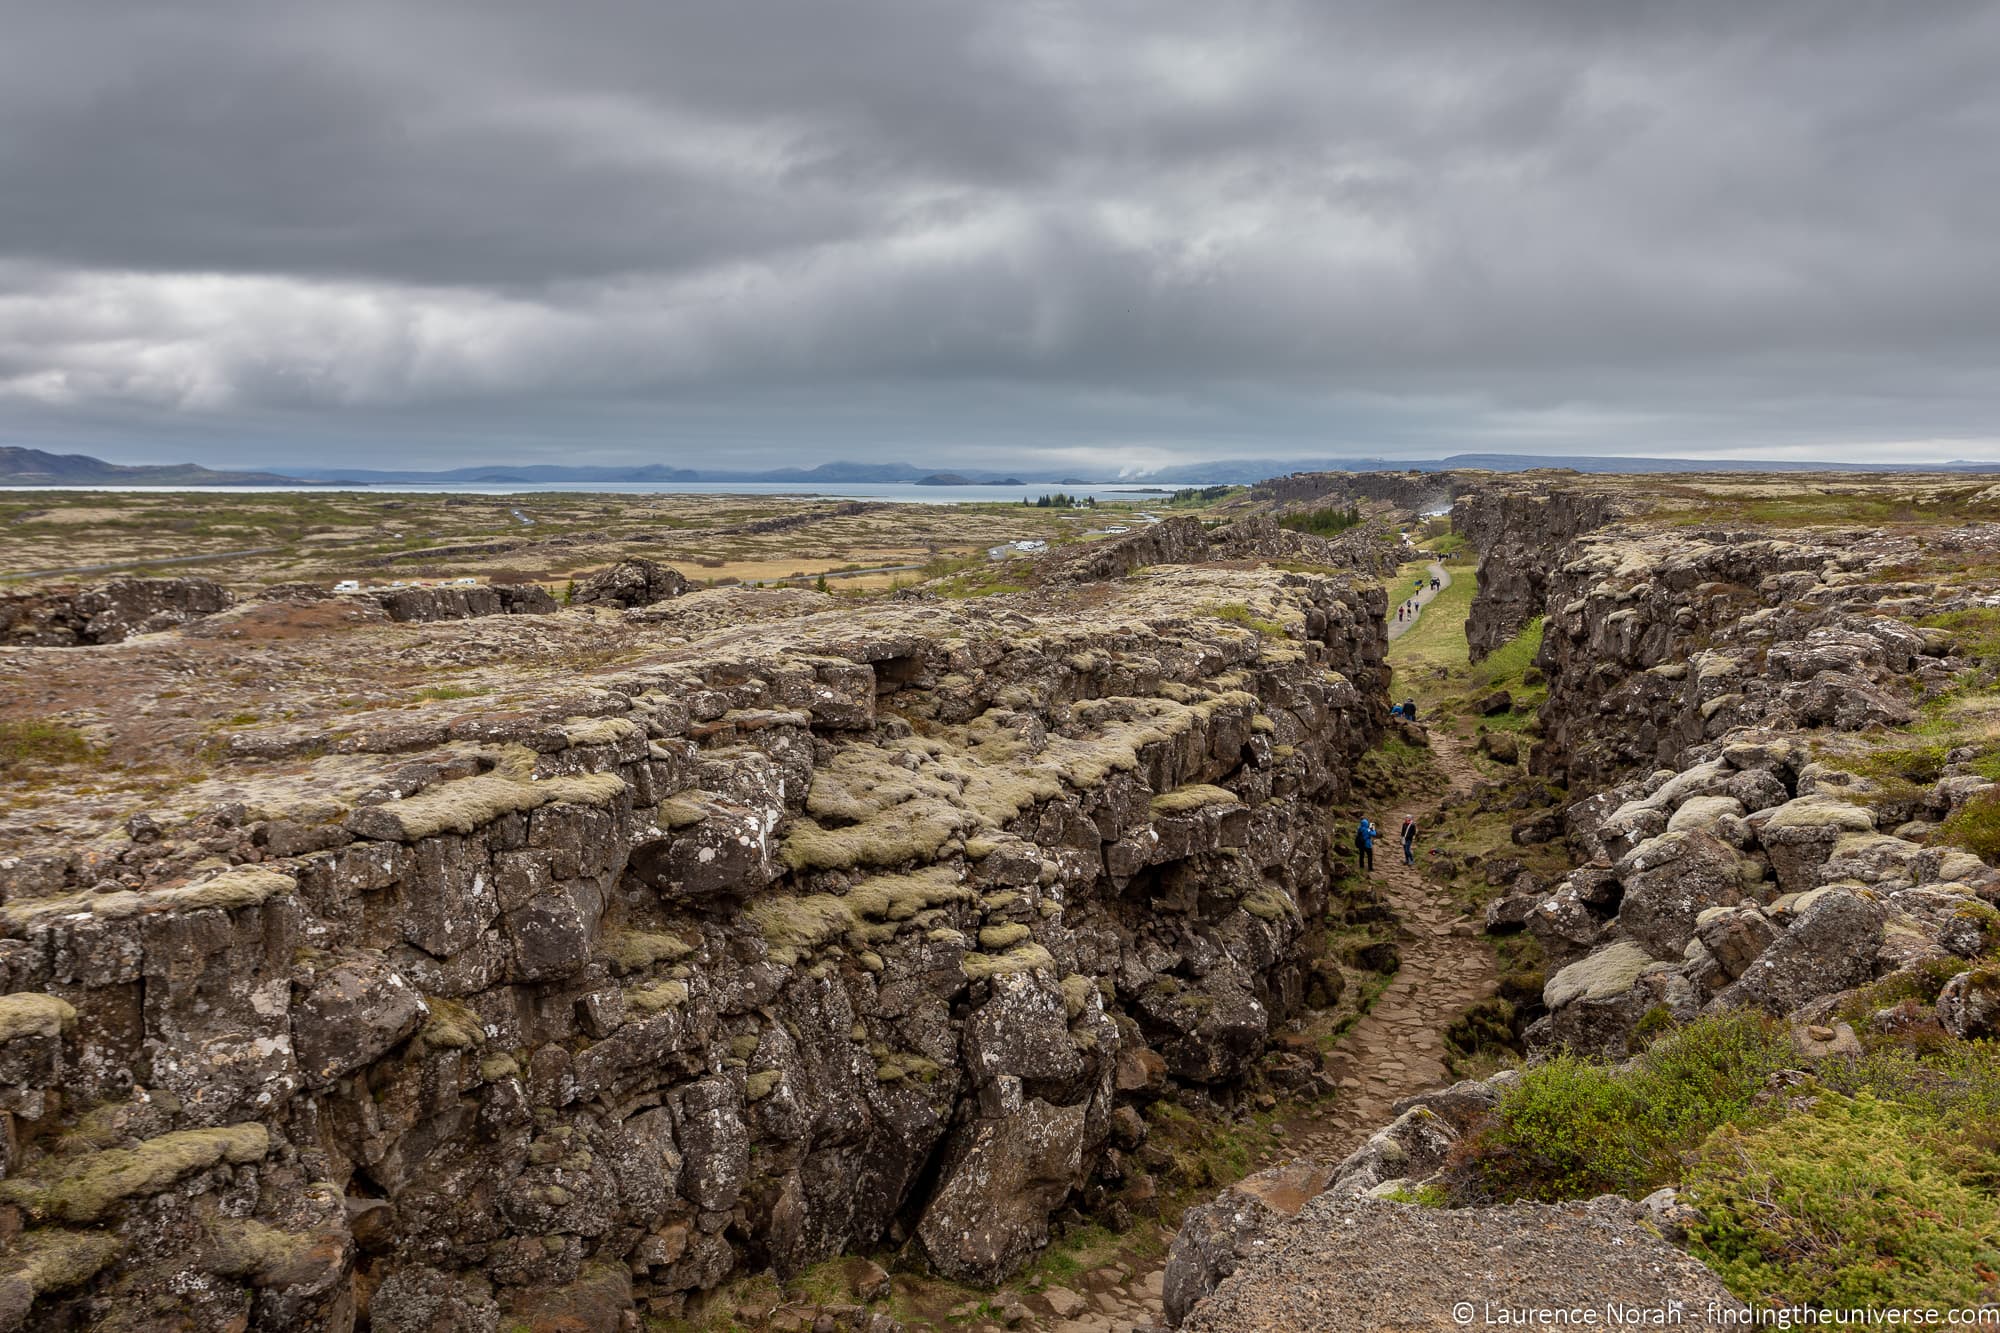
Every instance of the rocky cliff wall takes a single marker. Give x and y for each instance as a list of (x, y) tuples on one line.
[(1750, 829), (1655, 641), (1522, 532), (1705, 690), (847, 929)]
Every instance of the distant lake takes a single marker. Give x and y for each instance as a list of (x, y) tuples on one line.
[(899, 491)]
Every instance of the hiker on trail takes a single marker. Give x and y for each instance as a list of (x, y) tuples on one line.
[(1434, 585), (1364, 844), (1410, 709), (1409, 840)]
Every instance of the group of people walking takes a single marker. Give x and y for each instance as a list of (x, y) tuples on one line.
[(1408, 610), (1365, 834)]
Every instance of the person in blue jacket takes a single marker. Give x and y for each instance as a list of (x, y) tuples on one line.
[(1364, 844)]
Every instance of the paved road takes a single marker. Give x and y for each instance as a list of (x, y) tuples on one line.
[(1438, 572)]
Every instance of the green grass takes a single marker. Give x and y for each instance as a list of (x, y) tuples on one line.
[(1976, 825), (1436, 643), (1507, 665), (36, 744), (1239, 614), (1975, 631)]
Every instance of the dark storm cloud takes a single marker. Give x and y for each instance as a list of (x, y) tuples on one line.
[(1126, 229)]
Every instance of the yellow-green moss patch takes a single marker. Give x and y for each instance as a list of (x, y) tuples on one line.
[(1006, 936), (796, 926), (1025, 958), (471, 803), (50, 1259), (1196, 796), (452, 1026), (656, 998), (635, 951), (92, 1185), (28, 1014)]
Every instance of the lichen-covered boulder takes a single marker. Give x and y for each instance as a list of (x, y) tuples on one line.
[(1594, 1004), (1734, 936), (1217, 1235), (418, 1299), (1830, 946), (630, 583), (1799, 836), (1208, 1029), (1846, 701), (1021, 1030), (1672, 879)]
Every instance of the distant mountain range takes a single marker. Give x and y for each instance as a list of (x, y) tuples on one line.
[(1243, 471), (492, 474), (33, 467)]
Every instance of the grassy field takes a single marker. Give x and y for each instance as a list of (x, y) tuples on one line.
[(1429, 659)]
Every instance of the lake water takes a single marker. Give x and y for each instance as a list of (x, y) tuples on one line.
[(900, 492)]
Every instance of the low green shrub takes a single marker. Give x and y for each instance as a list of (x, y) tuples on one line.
[(1327, 522), (1975, 630), (1857, 1202), (1573, 1128)]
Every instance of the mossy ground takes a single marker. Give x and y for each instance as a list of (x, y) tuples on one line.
[(30, 743)]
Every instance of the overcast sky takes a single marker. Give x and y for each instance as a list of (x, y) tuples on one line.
[(966, 232)]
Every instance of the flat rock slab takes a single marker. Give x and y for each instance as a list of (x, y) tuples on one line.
[(1371, 1266)]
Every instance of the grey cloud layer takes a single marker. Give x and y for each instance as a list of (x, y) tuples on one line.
[(1164, 226)]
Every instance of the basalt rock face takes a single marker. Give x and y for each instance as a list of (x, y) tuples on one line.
[(1522, 532), (1184, 541), (109, 613), (1656, 642), (1703, 901), (835, 933), (424, 605), (1406, 490), (1706, 688)]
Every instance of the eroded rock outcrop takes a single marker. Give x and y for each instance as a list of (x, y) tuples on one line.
[(844, 931), (1521, 531), (109, 613), (630, 583), (423, 605)]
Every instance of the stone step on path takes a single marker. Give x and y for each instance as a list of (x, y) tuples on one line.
[(1395, 1049)]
